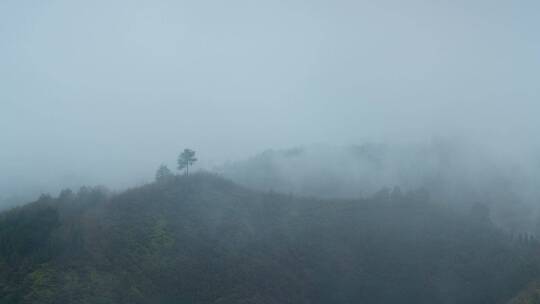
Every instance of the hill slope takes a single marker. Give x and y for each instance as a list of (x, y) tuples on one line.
[(203, 239), (456, 174)]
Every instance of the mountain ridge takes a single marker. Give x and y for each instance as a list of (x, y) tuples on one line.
[(203, 239)]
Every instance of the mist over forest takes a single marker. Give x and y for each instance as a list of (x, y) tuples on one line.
[(269, 152)]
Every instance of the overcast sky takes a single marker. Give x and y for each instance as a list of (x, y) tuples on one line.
[(111, 89)]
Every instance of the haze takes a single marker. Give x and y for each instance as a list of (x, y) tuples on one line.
[(103, 92)]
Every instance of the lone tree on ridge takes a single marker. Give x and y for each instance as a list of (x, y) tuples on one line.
[(186, 159)]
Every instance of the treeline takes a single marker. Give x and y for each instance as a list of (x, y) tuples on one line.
[(204, 239), (456, 175)]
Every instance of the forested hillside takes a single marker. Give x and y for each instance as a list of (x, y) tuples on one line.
[(455, 174), (203, 239)]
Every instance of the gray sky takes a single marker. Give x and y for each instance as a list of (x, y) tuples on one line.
[(110, 89)]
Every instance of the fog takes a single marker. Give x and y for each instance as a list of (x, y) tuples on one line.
[(104, 92)]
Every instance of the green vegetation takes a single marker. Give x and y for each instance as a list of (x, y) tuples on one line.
[(203, 239), (530, 295)]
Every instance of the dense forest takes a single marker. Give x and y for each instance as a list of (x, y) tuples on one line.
[(204, 239)]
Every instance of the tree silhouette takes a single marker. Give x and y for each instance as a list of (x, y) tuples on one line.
[(163, 174), (186, 159)]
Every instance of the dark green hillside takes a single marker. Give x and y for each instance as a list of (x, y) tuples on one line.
[(203, 239)]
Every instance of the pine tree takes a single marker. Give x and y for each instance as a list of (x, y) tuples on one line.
[(186, 159)]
